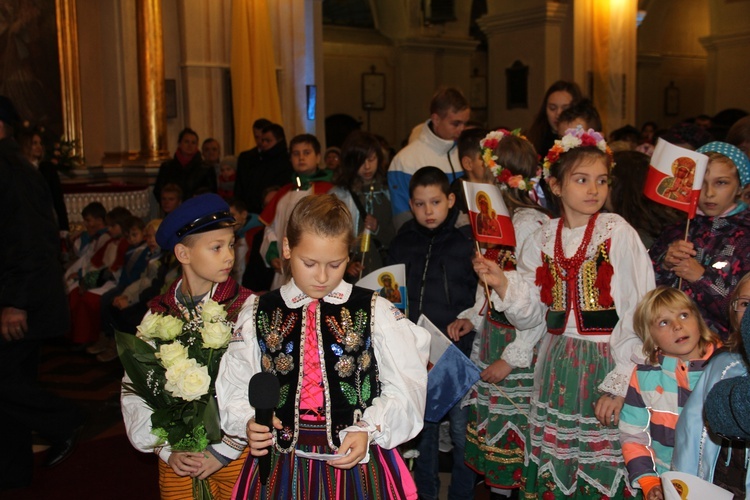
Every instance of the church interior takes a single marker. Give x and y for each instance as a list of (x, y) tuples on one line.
[(112, 83), (130, 74)]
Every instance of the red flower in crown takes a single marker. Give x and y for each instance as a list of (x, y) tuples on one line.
[(587, 140), (504, 176), (491, 143)]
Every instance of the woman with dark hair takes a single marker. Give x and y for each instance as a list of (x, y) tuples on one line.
[(186, 169), (33, 149), (558, 98), (361, 184), (626, 197)]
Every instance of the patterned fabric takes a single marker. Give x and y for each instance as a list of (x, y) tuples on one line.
[(591, 318), (655, 399), (385, 476), (312, 385), (723, 244), (347, 361), (570, 453), (228, 294), (221, 482), (496, 432)]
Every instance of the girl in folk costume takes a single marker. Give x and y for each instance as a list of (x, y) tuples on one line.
[(351, 367), (582, 276), (500, 400)]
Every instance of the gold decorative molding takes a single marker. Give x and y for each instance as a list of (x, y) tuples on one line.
[(150, 43), (67, 46)]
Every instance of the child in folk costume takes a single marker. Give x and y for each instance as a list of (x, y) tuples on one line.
[(200, 233), (677, 344), (351, 367), (583, 275), (500, 400)]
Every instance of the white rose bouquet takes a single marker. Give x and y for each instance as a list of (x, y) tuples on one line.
[(172, 364)]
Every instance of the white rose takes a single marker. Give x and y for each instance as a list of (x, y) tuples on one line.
[(570, 141), (192, 383), (216, 335), (212, 311), (149, 325), (602, 145), (171, 353), (169, 328), (175, 372)]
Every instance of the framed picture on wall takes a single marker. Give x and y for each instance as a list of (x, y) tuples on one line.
[(517, 86), (373, 91), (671, 100)]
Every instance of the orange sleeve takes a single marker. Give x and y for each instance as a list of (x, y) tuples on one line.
[(648, 483)]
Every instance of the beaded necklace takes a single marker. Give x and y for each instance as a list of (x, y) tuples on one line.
[(571, 265)]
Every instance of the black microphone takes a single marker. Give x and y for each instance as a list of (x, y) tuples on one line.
[(263, 395)]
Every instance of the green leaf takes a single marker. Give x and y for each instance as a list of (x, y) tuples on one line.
[(283, 394), (349, 392), (212, 421), (365, 390)]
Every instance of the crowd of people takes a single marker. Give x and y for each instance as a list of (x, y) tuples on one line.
[(590, 333)]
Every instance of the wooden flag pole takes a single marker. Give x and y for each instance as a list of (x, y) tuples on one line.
[(687, 229), (511, 401), (486, 288)]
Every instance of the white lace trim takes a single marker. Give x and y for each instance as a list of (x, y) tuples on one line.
[(605, 225), (615, 383), (517, 355)]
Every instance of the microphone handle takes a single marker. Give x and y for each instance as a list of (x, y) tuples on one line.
[(264, 417)]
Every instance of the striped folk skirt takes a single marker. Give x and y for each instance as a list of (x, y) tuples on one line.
[(385, 476), (498, 413)]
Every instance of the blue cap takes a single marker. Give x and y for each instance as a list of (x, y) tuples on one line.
[(733, 153), (196, 215)]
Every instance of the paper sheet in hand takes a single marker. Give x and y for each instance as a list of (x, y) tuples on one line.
[(318, 456), (451, 376), (681, 486)]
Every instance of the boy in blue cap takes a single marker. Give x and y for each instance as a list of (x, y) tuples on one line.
[(200, 232)]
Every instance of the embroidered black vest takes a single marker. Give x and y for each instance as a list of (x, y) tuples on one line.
[(582, 297), (350, 372)]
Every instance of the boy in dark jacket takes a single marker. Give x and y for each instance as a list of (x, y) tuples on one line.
[(441, 283)]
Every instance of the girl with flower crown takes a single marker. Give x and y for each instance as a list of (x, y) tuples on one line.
[(499, 402), (580, 277)]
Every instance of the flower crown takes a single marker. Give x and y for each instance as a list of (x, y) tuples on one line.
[(575, 138), (503, 176)]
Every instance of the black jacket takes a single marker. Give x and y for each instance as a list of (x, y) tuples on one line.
[(257, 171), (192, 176), (31, 276), (440, 278)]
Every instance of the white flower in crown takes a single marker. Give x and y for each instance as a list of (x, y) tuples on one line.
[(570, 141)]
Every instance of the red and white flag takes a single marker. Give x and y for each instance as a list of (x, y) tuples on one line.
[(675, 177), (490, 219)]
